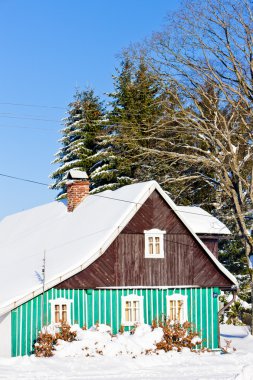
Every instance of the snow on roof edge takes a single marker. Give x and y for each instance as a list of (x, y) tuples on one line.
[(196, 211)]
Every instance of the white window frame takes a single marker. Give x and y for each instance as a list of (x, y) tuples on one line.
[(154, 233), (178, 297), (131, 298), (60, 302)]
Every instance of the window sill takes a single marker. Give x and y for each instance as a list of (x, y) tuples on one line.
[(160, 256)]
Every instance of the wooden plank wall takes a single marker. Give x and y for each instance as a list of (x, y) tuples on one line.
[(212, 244), (123, 264)]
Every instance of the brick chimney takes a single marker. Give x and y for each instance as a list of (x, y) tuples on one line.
[(77, 188)]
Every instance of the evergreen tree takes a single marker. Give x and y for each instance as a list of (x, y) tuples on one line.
[(80, 136), (106, 173), (136, 108)]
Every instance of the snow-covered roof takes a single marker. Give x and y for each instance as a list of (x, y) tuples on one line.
[(202, 222), (72, 241), (77, 174)]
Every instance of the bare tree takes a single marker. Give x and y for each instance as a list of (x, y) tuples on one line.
[(204, 59)]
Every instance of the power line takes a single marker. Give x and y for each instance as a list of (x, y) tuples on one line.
[(100, 196), (45, 184), (105, 229), (23, 179), (115, 199), (32, 105), (23, 127), (29, 118), (152, 136), (20, 115), (197, 120)]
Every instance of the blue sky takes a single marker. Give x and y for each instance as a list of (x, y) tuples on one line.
[(48, 49)]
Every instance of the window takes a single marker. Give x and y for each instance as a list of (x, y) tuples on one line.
[(60, 310), (132, 310), (154, 246), (177, 308)]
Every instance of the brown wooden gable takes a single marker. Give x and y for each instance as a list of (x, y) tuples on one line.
[(123, 264), (211, 243)]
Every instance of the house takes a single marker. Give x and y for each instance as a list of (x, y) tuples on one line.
[(118, 257)]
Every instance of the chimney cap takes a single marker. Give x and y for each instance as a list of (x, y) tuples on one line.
[(77, 174)]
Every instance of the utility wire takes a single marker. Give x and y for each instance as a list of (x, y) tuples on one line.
[(101, 196), (23, 127), (23, 179), (29, 118), (94, 233), (32, 105)]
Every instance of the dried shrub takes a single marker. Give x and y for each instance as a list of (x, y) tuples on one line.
[(65, 333), (44, 345), (177, 336), (228, 349)]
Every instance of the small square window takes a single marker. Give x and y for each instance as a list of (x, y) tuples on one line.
[(154, 243), (60, 310), (177, 308), (132, 310)]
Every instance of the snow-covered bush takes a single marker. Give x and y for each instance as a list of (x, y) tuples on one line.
[(177, 336), (49, 335), (66, 332), (44, 345), (73, 341)]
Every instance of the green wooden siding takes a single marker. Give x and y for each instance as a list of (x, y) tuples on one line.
[(104, 306)]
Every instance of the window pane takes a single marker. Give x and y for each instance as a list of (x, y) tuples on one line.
[(57, 316), (157, 245), (176, 310), (179, 309), (136, 311), (150, 246), (128, 311), (132, 311), (57, 313), (172, 312), (128, 315), (64, 316), (64, 313)]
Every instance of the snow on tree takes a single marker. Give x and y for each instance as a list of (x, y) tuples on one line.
[(106, 172), (80, 137)]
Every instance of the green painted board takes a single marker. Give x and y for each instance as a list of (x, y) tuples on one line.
[(104, 306)]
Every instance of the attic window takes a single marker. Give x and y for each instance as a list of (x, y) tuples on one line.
[(132, 310), (154, 243), (177, 308), (60, 310)]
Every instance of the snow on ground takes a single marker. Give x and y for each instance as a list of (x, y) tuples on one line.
[(237, 365)]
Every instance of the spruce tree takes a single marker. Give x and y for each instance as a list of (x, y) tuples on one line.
[(81, 129), (106, 173), (136, 108)]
